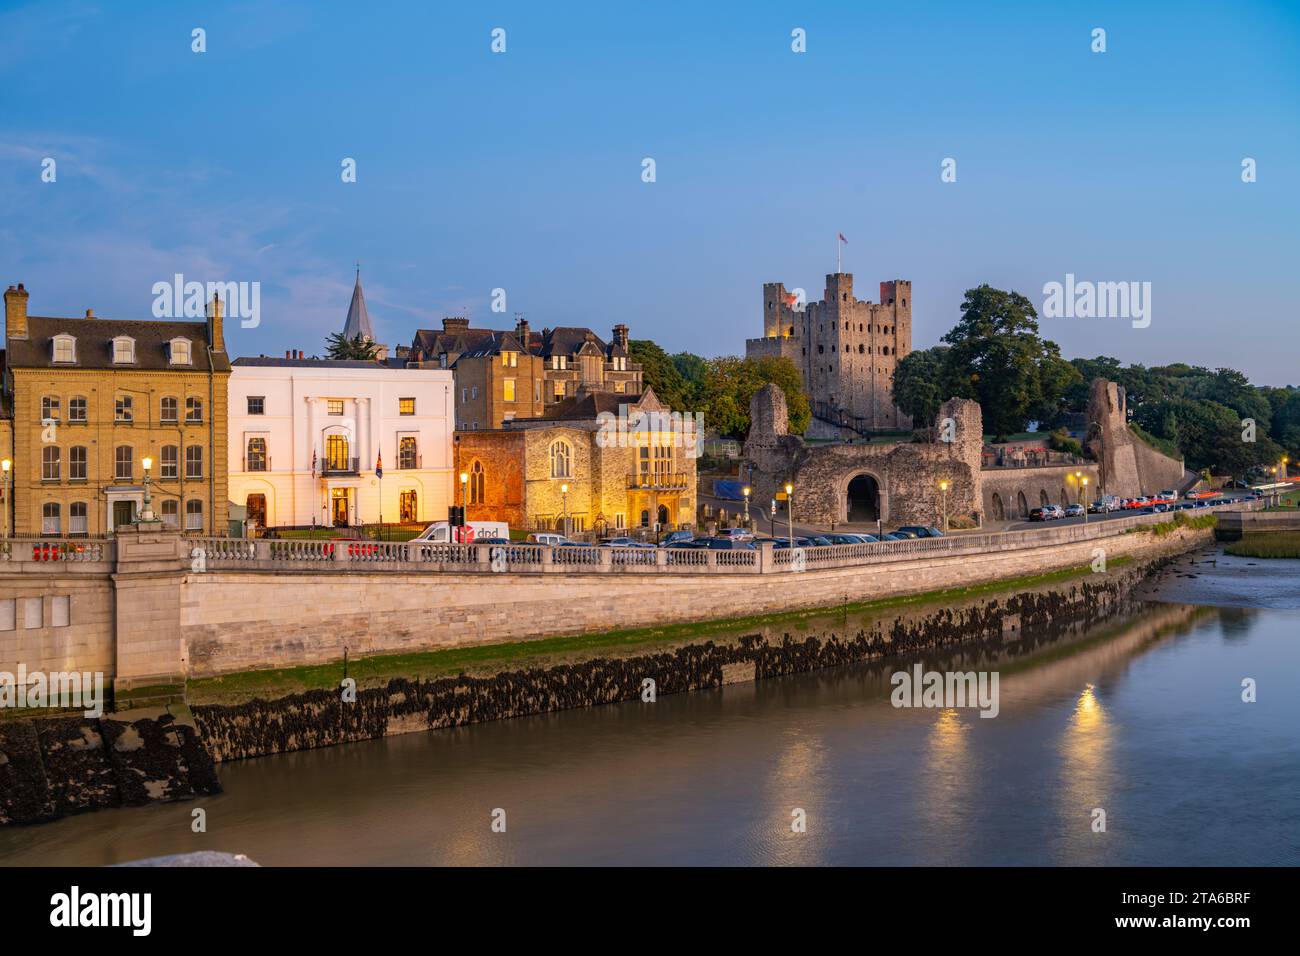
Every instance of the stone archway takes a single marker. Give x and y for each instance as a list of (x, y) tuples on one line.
[(862, 499), (1043, 500), (999, 512), (1022, 506)]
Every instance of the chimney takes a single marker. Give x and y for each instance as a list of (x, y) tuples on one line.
[(90, 313), (620, 335), (522, 332), (288, 353), (300, 353), (216, 337), (16, 312), (455, 324)]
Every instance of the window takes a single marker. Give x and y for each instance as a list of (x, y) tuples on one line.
[(124, 409), (180, 351), (464, 395), (193, 411), (509, 359), (50, 463), (473, 391), (123, 350), (193, 514), (256, 459), (257, 404), (407, 509), (77, 463), (406, 453), (406, 406), (336, 453), (169, 513), (169, 411), (65, 350), (50, 521), (193, 461), (559, 361), (50, 408), (561, 456), (537, 390), (335, 406), (77, 410), (168, 461), (476, 477), (123, 462), (508, 390), (77, 518)]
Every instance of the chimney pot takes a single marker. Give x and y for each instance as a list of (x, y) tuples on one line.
[(90, 313)]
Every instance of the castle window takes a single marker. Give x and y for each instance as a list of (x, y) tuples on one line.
[(64, 350), (169, 412), (844, 297), (179, 350), (820, 350), (846, 348), (77, 463), (561, 460), (860, 349), (77, 410), (904, 303), (859, 326), (123, 350)]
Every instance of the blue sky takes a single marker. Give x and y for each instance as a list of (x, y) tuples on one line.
[(522, 170)]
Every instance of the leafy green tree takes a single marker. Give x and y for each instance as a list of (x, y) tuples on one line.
[(731, 382), (919, 379), (660, 374), (356, 348)]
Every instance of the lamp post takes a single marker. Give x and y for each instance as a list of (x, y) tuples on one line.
[(1078, 484), (789, 509), (146, 511), (564, 507), (1083, 484), (746, 490), (5, 466), (464, 481), (943, 487)]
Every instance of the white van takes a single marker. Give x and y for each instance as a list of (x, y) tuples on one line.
[(472, 530)]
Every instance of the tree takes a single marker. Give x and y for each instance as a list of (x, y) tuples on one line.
[(357, 348), (659, 373), (919, 384), (998, 359), (731, 382)]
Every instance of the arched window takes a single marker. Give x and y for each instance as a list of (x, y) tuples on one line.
[(50, 408), (476, 477), (180, 351), (50, 468), (561, 460), (407, 453), (77, 463), (193, 411), (407, 506), (64, 349), (50, 519), (861, 349), (77, 409), (169, 512), (256, 459), (77, 518), (169, 460)]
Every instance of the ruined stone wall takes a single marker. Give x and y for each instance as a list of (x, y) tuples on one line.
[(1009, 493), (1130, 467)]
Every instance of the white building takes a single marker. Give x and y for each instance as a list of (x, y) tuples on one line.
[(306, 436)]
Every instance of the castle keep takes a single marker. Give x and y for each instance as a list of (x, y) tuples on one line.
[(846, 348)]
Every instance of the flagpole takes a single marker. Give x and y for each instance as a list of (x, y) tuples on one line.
[(839, 266)]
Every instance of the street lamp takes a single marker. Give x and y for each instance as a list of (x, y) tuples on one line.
[(1078, 481), (146, 512), (789, 509), (746, 490), (943, 487), (1083, 485), (5, 466), (564, 507)]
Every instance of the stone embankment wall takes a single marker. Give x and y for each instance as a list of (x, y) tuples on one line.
[(233, 621), (321, 718), (54, 766)]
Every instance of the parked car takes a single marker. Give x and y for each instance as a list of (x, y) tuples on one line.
[(1057, 511), (726, 544), (469, 533), (737, 534), (905, 533), (848, 538), (624, 543), (1041, 514), (1074, 511), (548, 538), (920, 531), (676, 539), (895, 536)]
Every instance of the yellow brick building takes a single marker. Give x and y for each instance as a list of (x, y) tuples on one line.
[(87, 400)]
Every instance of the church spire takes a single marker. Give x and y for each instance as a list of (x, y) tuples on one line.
[(358, 321)]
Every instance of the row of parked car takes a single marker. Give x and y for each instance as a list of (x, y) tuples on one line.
[(732, 539)]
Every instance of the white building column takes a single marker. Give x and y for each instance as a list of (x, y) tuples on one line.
[(311, 433), (363, 434)]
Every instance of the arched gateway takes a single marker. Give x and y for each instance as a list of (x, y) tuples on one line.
[(862, 499)]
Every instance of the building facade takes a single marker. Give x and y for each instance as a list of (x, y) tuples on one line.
[(573, 470), (88, 401), (846, 348), (502, 376), (339, 443)]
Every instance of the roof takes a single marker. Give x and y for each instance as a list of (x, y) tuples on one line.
[(95, 349), (587, 406), (567, 340), (264, 361), (358, 321)]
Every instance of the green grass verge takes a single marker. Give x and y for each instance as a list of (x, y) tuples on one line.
[(1269, 544), (1179, 520), (490, 658)]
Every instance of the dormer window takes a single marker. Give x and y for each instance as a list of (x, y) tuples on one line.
[(123, 350), (180, 351), (65, 350)]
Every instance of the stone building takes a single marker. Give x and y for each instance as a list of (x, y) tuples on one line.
[(519, 373), (87, 401), (894, 483), (846, 348), (535, 473), (1129, 466)]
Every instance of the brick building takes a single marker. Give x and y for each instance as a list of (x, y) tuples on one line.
[(846, 348), (506, 375), (534, 473), (86, 401)]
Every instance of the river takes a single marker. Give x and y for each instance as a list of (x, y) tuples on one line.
[(1142, 718)]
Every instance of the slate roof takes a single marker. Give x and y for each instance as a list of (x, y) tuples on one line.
[(265, 361), (95, 344)]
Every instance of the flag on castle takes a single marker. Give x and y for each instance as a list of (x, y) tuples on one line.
[(379, 465), (842, 239)]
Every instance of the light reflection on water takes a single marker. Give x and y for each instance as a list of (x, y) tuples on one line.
[(1143, 720)]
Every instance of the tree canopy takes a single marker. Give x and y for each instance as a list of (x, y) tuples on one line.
[(338, 347)]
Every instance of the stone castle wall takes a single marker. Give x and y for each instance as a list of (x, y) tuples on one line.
[(1129, 466)]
